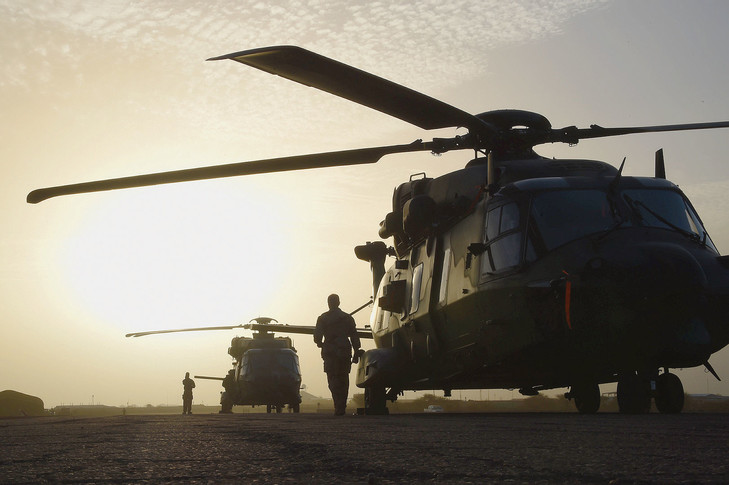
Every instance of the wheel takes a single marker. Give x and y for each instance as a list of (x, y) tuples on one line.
[(634, 394), (226, 404), (587, 397), (669, 394), (375, 400)]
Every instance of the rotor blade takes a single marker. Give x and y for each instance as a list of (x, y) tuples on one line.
[(284, 164), (573, 135), (210, 378), (199, 329), (348, 82), (299, 329)]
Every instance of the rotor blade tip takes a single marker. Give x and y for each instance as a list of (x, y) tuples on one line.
[(34, 197)]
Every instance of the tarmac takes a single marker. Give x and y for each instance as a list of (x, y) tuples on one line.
[(604, 448)]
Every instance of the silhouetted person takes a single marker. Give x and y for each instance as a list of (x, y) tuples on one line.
[(226, 398), (333, 333), (188, 385)]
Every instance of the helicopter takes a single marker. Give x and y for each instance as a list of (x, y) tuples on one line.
[(266, 368), (516, 271)]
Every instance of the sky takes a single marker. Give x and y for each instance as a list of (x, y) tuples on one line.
[(92, 90)]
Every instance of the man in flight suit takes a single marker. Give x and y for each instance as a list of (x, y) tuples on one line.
[(333, 333), (187, 385)]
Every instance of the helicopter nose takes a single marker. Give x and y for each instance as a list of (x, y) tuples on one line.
[(658, 292), (674, 288), (686, 345)]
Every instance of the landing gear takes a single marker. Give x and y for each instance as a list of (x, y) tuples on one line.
[(587, 397), (375, 401), (226, 404), (634, 394), (669, 394)]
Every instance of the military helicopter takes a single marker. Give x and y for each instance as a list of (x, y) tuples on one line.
[(517, 271), (265, 369)]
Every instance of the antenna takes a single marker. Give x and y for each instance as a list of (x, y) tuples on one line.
[(660, 165)]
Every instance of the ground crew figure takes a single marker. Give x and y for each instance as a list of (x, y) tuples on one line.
[(188, 385), (334, 331), (226, 397)]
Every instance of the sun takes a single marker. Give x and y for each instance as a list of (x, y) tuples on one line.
[(150, 257)]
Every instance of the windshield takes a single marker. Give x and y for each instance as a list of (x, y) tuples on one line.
[(666, 209), (562, 216), (259, 360), (566, 215)]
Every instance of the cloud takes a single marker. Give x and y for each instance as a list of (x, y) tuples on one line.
[(144, 60), (448, 38)]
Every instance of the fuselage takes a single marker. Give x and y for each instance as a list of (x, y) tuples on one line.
[(266, 371), (567, 273), (268, 376)]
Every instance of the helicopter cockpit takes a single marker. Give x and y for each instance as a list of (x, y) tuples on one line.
[(555, 213), (260, 362)]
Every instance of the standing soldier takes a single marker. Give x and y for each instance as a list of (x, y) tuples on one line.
[(337, 329), (188, 385)]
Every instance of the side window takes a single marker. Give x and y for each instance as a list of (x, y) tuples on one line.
[(493, 219), (506, 251), (379, 317), (509, 218), (698, 228), (503, 239), (444, 276), (417, 281), (245, 365)]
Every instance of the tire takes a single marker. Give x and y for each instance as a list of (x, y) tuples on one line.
[(226, 404), (375, 400), (669, 396), (587, 398)]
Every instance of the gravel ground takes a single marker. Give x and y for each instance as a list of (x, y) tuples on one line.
[(404, 448)]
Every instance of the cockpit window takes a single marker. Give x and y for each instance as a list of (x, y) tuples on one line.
[(259, 360), (509, 218), (666, 209), (562, 216), (566, 215), (503, 239)]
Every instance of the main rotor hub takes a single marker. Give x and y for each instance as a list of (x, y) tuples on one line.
[(515, 134), (507, 119)]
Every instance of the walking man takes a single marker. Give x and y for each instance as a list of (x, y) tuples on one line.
[(334, 331)]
